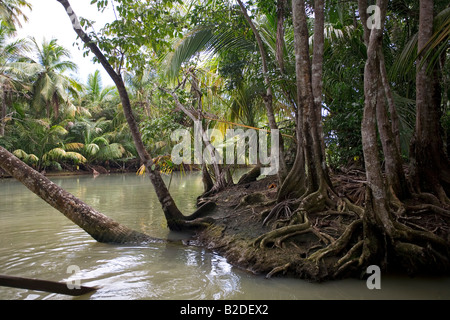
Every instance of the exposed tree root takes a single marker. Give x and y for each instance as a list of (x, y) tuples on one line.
[(423, 208), (294, 213), (407, 249), (277, 270), (339, 245), (277, 236)]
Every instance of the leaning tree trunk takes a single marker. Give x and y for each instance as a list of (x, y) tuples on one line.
[(430, 168), (174, 217), (96, 224)]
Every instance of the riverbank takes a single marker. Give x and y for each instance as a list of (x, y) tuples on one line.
[(250, 239), (253, 232), (130, 166)]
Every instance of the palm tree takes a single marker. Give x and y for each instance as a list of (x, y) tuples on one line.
[(12, 71), (141, 86), (95, 92), (11, 11), (52, 86)]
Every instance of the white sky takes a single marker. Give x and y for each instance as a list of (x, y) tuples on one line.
[(48, 20)]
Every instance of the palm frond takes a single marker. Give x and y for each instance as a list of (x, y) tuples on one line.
[(73, 146), (92, 149), (55, 154), (210, 39), (19, 153), (75, 157), (404, 66)]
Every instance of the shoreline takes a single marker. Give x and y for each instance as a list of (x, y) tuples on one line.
[(239, 230)]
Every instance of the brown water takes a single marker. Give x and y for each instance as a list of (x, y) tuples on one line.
[(37, 241)]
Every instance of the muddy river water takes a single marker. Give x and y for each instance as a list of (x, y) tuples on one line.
[(37, 241)]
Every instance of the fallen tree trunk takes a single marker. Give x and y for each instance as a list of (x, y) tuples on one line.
[(96, 224), (44, 285)]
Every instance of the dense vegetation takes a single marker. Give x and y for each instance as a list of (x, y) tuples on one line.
[(346, 97), (50, 120)]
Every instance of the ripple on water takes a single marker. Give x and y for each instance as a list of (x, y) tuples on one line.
[(36, 241)]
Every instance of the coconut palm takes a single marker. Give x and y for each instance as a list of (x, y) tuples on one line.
[(52, 86), (13, 72), (95, 93), (11, 11), (41, 144), (99, 141)]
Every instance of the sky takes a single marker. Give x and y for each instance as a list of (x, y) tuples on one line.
[(49, 20)]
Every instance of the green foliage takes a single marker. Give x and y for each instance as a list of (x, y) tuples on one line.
[(343, 136), (156, 132), (155, 43)]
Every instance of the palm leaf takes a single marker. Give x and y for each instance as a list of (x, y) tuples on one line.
[(74, 146), (405, 63), (31, 159), (210, 39), (19, 153), (92, 149), (58, 130), (55, 154), (75, 157)]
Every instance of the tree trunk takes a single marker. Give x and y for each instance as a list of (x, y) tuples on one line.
[(376, 214), (390, 100), (281, 4), (317, 59), (395, 175), (317, 85), (174, 217), (96, 224), (430, 168)]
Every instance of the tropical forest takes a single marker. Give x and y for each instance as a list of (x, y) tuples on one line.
[(319, 131)]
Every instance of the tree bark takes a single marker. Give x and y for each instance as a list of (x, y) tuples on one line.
[(395, 175), (173, 215), (281, 5), (317, 85), (96, 224), (395, 123), (376, 214)]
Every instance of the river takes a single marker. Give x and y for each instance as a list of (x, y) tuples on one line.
[(37, 241)]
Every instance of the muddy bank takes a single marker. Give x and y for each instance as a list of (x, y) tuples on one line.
[(250, 239)]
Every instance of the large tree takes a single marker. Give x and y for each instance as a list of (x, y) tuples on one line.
[(52, 84), (384, 238), (430, 166)]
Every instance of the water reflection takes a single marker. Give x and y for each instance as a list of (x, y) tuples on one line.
[(36, 241)]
